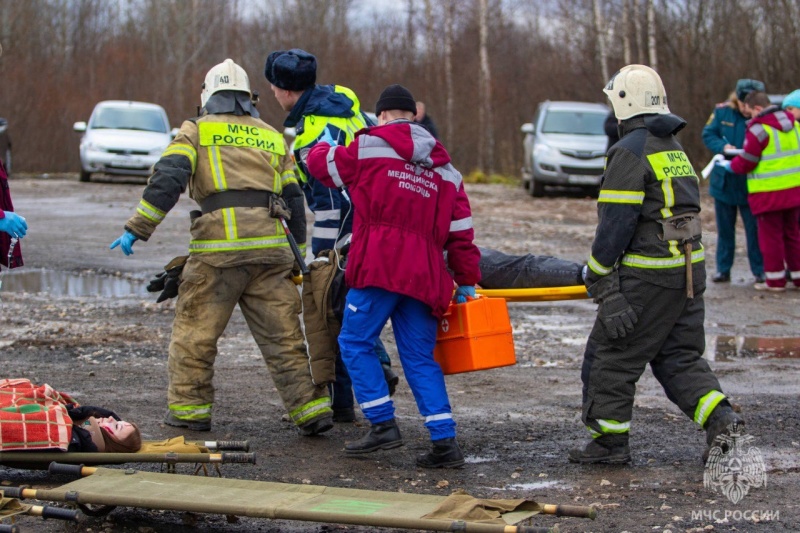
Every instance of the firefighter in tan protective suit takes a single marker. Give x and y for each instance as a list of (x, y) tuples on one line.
[(239, 170)]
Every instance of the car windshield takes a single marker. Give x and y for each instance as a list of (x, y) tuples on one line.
[(574, 122), (129, 119)]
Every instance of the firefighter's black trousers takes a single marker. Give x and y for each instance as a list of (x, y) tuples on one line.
[(669, 335)]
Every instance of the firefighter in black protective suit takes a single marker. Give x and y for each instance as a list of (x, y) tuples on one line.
[(647, 273)]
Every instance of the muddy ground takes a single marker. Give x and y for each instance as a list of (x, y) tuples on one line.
[(515, 423)]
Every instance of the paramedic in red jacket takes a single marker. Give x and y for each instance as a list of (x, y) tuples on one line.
[(410, 206)]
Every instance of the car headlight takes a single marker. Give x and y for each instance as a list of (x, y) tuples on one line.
[(157, 150), (91, 147), (543, 150)]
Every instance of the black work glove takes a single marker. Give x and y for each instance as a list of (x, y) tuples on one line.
[(168, 281), (614, 311)]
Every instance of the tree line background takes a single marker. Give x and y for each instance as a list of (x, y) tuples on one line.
[(481, 66)]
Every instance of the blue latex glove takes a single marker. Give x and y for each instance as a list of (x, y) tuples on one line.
[(462, 292), (726, 164), (13, 224), (326, 137), (125, 241)]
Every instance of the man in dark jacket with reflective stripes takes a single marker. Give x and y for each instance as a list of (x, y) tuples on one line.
[(647, 273)]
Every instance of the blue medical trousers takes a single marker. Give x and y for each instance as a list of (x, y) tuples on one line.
[(366, 312), (341, 389)]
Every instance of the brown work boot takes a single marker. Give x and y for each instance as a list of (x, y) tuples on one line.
[(444, 454), (608, 449), (382, 436)]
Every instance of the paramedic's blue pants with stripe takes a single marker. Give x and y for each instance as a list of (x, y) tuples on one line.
[(366, 312)]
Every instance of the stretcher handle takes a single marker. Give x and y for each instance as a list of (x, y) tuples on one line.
[(232, 445), (13, 492), (577, 511), (9, 528), (239, 457), (64, 469), (59, 513)]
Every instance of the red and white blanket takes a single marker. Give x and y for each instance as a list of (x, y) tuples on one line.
[(33, 417)]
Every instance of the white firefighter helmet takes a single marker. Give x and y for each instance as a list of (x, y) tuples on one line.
[(636, 90), (227, 76)]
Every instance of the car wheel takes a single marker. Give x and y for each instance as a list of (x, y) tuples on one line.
[(537, 188), (85, 176), (7, 161)]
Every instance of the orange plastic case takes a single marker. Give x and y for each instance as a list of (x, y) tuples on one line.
[(475, 335)]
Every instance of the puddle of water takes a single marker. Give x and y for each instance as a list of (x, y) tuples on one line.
[(532, 486), (474, 459), (728, 347), (58, 283)]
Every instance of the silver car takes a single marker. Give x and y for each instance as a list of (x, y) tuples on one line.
[(565, 145), (123, 137)]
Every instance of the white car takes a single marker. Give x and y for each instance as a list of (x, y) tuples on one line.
[(123, 137), (565, 145)]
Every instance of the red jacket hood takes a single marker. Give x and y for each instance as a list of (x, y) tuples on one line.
[(401, 135), (774, 117)]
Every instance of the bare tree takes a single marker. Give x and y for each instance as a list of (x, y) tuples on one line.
[(448, 70), (485, 150), (602, 33), (652, 53)]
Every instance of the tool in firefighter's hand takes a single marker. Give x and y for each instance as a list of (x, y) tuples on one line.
[(278, 209), (687, 253), (169, 280), (125, 241), (463, 292)]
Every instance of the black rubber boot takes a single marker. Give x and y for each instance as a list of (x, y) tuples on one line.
[(444, 454), (381, 436), (345, 414), (724, 421), (391, 378), (608, 449), (321, 424)]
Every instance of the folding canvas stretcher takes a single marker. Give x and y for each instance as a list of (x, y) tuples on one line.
[(283, 501)]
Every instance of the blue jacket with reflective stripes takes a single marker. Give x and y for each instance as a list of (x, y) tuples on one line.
[(726, 126), (337, 110)]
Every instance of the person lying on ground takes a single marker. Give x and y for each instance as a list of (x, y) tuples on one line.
[(38, 417)]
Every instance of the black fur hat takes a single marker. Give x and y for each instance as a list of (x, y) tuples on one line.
[(293, 70)]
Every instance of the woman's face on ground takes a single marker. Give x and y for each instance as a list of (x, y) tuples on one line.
[(118, 429)]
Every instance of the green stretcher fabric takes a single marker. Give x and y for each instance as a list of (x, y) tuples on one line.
[(11, 507), (280, 501)]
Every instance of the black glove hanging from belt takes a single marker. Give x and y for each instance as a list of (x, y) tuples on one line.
[(168, 281)]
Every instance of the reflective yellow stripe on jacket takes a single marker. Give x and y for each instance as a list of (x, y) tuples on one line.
[(668, 166), (779, 167), (216, 136)]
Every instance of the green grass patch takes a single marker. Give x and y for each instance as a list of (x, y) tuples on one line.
[(476, 176)]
